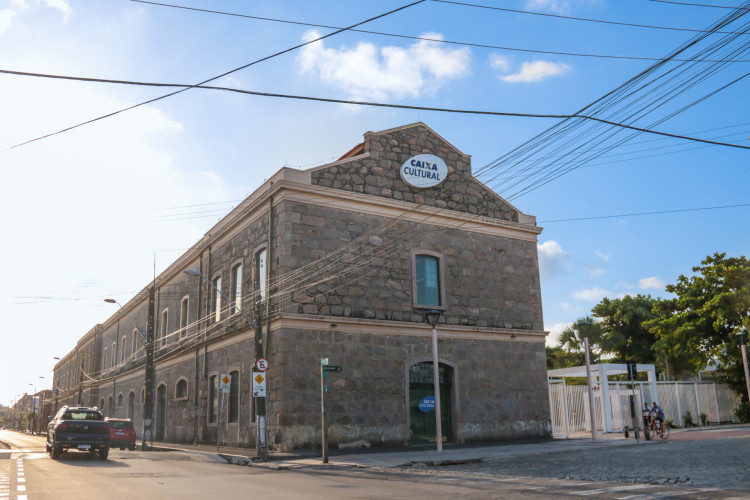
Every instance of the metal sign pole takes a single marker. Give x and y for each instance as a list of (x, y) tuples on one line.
[(633, 370), (323, 437), (218, 428)]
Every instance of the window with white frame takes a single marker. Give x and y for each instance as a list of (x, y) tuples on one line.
[(427, 282), (163, 326), (122, 349), (113, 355), (260, 274), (184, 308), (105, 358), (236, 292), (217, 298), (135, 340)]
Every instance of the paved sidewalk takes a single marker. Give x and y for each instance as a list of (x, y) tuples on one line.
[(384, 458)]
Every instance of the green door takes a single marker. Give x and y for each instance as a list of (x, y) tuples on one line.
[(422, 424)]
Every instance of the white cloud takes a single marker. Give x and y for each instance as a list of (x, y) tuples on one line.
[(595, 271), (557, 6), (537, 71), (555, 331), (552, 258), (602, 256), (499, 62), (564, 305), (592, 294), (652, 282), (6, 19), (60, 5), (369, 72)]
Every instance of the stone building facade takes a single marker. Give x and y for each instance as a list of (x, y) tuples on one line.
[(339, 262)]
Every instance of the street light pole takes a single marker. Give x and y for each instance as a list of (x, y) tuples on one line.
[(433, 316), (592, 411)]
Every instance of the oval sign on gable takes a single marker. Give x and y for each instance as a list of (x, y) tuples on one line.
[(423, 171)]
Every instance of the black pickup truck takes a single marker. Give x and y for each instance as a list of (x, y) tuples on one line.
[(78, 428)]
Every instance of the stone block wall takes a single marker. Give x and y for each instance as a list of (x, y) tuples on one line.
[(489, 281), (378, 174), (501, 388)]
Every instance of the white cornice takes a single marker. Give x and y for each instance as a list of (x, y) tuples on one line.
[(381, 327)]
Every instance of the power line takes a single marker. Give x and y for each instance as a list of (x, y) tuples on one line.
[(409, 37), (560, 16), (219, 76), (698, 4), (375, 104), (657, 212)]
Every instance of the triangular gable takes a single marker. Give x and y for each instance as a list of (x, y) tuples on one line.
[(374, 168)]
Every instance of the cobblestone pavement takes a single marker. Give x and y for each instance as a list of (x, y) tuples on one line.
[(715, 461)]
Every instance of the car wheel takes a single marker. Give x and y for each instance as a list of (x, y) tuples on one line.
[(104, 453), (54, 451)]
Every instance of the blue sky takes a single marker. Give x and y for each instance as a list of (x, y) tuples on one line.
[(85, 212)]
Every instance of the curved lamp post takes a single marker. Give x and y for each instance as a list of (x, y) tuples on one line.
[(433, 316)]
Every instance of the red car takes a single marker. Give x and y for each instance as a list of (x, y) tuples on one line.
[(121, 433)]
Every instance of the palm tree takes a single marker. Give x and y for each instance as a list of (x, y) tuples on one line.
[(571, 339)]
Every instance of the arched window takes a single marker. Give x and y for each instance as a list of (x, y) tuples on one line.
[(181, 389), (131, 404), (164, 326), (119, 400), (184, 309), (234, 397)]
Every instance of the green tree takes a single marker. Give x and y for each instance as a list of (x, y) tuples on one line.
[(623, 332), (700, 323), (557, 357)]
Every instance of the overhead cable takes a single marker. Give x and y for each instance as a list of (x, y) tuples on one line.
[(375, 104)]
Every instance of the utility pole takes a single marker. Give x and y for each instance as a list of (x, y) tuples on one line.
[(148, 406), (261, 446)]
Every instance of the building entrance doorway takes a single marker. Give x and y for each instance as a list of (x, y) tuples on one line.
[(161, 413), (422, 423)]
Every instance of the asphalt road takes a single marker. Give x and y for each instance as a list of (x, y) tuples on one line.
[(27, 472)]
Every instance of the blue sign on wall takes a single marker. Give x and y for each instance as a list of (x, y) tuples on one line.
[(427, 404)]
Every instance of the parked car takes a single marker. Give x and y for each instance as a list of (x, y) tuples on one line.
[(121, 433), (78, 428)]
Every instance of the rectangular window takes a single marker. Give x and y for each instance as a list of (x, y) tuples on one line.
[(260, 274), (236, 294), (163, 326), (428, 280), (122, 349), (184, 317), (217, 299), (213, 399), (113, 354), (105, 361), (135, 341)]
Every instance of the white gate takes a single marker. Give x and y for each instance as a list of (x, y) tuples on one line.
[(569, 404)]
